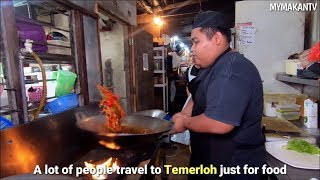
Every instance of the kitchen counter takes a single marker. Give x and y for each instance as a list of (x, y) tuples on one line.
[(292, 172)]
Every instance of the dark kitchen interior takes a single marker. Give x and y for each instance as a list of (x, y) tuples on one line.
[(55, 54)]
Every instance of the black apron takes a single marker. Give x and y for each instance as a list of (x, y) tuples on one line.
[(208, 149)]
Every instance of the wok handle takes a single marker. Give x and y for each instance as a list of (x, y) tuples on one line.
[(168, 133)]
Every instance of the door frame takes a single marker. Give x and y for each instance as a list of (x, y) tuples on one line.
[(128, 57)]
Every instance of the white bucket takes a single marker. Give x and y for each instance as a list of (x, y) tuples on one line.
[(269, 109)]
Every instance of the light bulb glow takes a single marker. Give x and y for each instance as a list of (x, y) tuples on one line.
[(158, 21)]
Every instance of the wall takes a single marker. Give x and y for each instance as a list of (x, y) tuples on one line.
[(126, 10), (88, 5), (92, 57), (278, 35), (112, 47), (154, 30), (315, 27)]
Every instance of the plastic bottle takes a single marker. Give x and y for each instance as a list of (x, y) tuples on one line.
[(310, 114)]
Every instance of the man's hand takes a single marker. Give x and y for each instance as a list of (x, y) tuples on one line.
[(179, 122)]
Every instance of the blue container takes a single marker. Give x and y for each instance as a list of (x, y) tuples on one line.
[(62, 103), (168, 117), (5, 123)]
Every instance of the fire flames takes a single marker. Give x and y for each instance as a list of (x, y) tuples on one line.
[(109, 163), (110, 145)]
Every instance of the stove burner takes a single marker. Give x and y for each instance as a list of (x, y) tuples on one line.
[(126, 157)]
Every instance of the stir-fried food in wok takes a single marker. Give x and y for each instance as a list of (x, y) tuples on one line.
[(110, 105)]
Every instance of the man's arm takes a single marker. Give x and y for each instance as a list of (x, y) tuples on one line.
[(204, 124), (200, 123), (188, 109)]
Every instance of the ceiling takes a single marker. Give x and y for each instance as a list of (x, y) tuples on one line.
[(178, 14)]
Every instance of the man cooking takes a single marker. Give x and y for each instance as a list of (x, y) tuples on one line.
[(224, 117)]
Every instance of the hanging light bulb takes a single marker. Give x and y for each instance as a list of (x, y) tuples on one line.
[(157, 20)]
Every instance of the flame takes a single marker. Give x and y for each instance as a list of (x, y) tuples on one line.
[(110, 145), (111, 162)]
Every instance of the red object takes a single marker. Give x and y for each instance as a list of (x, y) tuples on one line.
[(1, 88), (314, 55), (49, 37)]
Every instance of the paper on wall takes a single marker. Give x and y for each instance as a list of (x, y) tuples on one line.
[(246, 35)]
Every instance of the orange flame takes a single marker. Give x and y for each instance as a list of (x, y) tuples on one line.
[(109, 163)]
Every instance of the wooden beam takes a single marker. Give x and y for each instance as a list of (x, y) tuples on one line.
[(180, 5), (174, 6), (12, 62), (77, 18), (71, 5)]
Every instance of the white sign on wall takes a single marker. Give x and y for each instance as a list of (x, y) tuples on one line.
[(246, 35)]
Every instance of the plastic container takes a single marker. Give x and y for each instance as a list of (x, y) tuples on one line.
[(288, 107), (289, 115), (269, 109), (36, 95), (30, 30), (291, 66), (54, 74), (310, 114), (65, 82), (62, 103), (5, 123)]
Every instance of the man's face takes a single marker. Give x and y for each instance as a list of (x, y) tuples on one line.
[(203, 49)]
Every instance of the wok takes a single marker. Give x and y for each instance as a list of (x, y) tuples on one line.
[(157, 113), (96, 125)]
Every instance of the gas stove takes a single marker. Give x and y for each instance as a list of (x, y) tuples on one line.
[(149, 155), (56, 141)]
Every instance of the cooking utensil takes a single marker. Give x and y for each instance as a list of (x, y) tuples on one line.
[(96, 125)]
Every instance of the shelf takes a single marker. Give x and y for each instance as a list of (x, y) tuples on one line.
[(49, 58), (158, 48), (158, 57), (4, 111), (159, 71), (27, 81), (160, 85), (40, 23), (50, 43), (294, 79), (37, 103)]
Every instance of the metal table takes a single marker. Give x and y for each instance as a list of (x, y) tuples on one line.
[(292, 172)]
